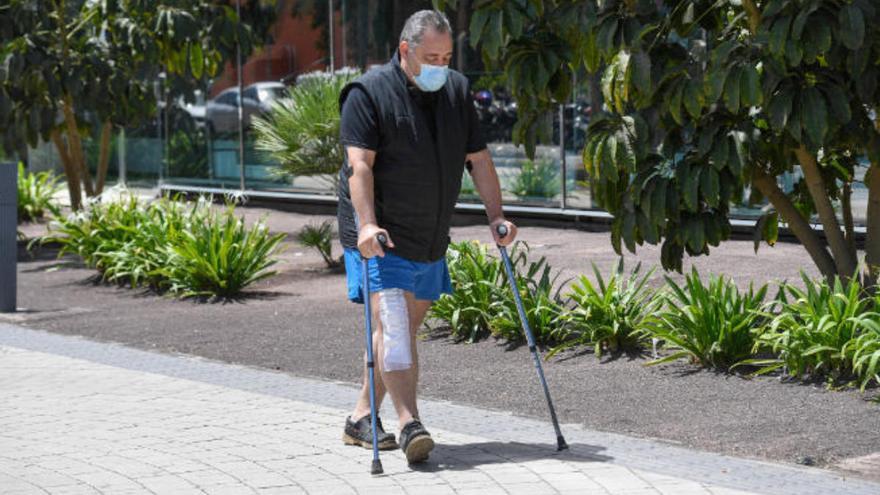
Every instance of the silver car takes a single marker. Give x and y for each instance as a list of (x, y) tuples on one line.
[(221, 114)]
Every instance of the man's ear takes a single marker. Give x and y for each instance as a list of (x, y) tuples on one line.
[(403, 48)]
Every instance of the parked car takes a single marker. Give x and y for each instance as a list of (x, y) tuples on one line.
[(221, 113)]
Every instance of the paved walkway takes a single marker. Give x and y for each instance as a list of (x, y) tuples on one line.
[(78, 416)]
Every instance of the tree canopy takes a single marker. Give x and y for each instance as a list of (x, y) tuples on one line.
[(69, 65), (707, 102)]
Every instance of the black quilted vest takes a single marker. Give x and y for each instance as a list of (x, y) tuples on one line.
[(417, 179)]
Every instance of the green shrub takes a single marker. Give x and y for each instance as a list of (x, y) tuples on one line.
[(93, 232), (821, 329), (712, 324), (302, 132), (320, 237), (542, 303), (35, 194), (536, 180), (135, 239), (220, 256), (478, 289), (864, 351), (468, 188), (167, 245), (608, 315)]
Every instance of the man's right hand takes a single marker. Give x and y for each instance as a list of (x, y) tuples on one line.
[(368, 242)]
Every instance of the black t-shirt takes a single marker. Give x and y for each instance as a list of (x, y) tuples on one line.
[(359, 125)]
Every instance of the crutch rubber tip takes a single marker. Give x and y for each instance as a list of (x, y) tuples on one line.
[(377, 467), (560, 443)]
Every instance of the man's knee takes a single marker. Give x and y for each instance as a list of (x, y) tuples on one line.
[(396, 336)]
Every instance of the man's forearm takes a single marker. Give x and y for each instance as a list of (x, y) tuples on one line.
[(361, 185), (487, 184)]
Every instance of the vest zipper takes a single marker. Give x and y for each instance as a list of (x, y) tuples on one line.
[(441, 194)]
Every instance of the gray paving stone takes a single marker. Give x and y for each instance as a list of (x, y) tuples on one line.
[(85, 417)]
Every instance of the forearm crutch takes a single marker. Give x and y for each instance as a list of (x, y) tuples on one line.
[(508, 268), (376, 467)]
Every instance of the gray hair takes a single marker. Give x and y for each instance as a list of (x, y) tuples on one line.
[(415, 27)]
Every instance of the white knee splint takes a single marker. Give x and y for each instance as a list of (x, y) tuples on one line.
[(395, 330)]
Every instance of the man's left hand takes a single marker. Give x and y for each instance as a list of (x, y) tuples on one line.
[(511, 231)]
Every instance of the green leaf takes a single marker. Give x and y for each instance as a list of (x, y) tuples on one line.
[(801, 20), (707, 138), (640, 72), (779, 109), (606, 36), (515, 20), (696, 238), (815, 113), (851, 26), (677, 92), (494, 34), (197, 60), (658, 202), (732, 90), (794, 119), (794, 53), (778, 35), (592, 56), (771, 229), (628, 231), (720, 152), (710, 186), (693, 98), (715, 82), (478, 23), (750, 87), (691, 189), (838, 102)]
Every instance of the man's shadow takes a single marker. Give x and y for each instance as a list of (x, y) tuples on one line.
[(468, 456)]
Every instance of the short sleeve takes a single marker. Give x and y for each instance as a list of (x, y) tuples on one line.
[(358, 124), (475, 140)]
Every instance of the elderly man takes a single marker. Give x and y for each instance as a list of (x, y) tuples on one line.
[(409, 129)]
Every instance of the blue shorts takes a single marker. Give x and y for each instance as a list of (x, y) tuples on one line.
[(428, 281)]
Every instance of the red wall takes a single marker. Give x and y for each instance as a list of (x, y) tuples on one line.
[(294, 51)]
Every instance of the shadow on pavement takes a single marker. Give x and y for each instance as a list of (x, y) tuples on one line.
[(468, 456)]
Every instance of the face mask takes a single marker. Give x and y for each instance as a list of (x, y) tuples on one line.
[(432, 77)]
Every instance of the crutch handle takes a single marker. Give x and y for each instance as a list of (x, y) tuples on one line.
[(502, 230), (383, 240)]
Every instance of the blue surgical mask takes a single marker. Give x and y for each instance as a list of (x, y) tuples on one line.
[(432, 77)]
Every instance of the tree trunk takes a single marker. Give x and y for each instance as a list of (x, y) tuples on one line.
[(104, 159), (848, 224), (74, 141), (70, 172), (754, 15), (872, 240), (844, 257), (798, 225)]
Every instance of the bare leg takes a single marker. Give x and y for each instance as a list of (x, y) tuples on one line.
[(362, 408), (417, 308), (402, 385)]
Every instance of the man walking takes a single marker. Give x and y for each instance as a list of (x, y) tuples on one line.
[(408, 127)]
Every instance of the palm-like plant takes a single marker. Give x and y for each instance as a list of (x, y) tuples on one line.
[(540, 290), (536, 179), (320, 237), (302, 132), (35, 194), (711, 324), (477, 279), (608, 314), (820, 329)]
